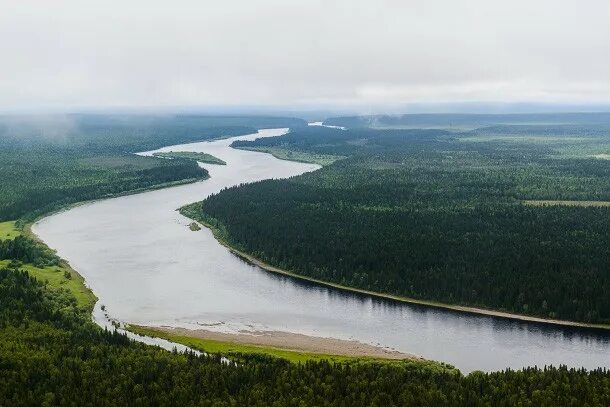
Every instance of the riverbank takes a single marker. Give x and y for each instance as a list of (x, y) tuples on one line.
[(186, 211), (287, 345), (57, 277), (27, 223)]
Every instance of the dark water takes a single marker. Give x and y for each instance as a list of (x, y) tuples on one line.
[(147, 267)]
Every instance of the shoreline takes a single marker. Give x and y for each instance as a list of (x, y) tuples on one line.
[(27, 225), (26, 228), (293, 346), (392, 297)]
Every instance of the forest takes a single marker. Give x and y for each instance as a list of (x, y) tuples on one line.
[(461, 122), (47, 162), (52, 354), (438, 215)]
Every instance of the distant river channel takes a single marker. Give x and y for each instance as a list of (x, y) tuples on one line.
[(140, 258)]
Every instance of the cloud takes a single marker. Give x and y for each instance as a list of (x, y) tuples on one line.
[(70, 54)]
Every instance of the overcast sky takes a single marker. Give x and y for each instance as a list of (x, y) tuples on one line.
[(71, 54)]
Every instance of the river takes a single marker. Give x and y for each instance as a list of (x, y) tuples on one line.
[(138, 255)]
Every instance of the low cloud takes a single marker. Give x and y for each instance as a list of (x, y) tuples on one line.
[(71, 54)]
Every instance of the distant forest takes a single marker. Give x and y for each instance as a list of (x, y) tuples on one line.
[(458, 121), (438, 215), (47, 162)]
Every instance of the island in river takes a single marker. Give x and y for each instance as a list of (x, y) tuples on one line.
[(189, 155)]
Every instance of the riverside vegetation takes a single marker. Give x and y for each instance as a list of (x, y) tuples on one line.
[(438, 215), (51, 353), (48, 162)]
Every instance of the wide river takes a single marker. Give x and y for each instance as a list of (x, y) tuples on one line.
[(145, 265)]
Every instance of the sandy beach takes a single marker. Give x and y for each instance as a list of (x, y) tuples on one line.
[(293, 342)]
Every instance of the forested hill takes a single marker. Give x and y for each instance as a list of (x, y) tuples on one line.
[(481, 218), (50, 161)]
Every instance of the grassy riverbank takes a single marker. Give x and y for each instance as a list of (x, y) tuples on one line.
[(237, 344), (56, 276), (61, 277)]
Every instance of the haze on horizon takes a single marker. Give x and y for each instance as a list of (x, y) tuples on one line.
[(69, 54)]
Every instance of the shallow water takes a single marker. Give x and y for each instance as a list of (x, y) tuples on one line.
[(140, 258)]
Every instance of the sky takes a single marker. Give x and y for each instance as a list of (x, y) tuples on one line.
[(64, 54)]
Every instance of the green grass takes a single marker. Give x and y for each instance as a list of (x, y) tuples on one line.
[(201, 157), (8, 230), (298, 156), (61, 276), (56, 277), (229, 348)]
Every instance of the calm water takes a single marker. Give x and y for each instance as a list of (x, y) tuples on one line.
[(147, 267)]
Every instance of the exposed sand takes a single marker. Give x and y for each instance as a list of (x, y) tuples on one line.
[(294, 342)]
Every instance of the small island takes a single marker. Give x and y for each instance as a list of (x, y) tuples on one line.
[(194, 226), (187, 155)]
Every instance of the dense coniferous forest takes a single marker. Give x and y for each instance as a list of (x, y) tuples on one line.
[(438, 215), (50, 161), (51, 354), (26, 250)]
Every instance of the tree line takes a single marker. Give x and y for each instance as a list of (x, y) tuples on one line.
[(427, 215), (51, 354), (49, 162)]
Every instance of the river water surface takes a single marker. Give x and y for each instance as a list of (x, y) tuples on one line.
[(145, 265)]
